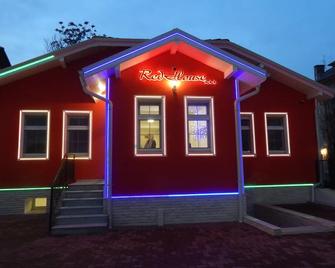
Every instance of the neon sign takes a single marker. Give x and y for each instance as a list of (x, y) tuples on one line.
[(149, 75)]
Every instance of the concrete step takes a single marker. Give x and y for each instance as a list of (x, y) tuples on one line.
[(86, 185), (84, 194), (81, 219), (80, 210), (66, 229), (68, 202)]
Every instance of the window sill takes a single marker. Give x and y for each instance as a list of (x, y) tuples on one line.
[(149, 154), (279, 155), (248, 155), (200, 154), (32, 158)]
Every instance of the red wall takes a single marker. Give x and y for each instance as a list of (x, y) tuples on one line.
[(59, 89), (175, 172), (300, 166), (56, 90)]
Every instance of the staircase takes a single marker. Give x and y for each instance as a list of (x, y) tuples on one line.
[(81, 209)]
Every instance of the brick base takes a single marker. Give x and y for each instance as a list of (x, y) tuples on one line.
[(176, 210)]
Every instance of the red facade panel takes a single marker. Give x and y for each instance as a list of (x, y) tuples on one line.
[(300, 166), (175, 172)]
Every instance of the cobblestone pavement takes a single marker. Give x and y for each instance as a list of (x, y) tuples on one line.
[(24, 243)]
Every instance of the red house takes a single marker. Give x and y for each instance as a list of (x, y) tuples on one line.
[(174, 130)]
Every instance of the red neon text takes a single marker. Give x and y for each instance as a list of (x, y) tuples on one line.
[(176, 76)]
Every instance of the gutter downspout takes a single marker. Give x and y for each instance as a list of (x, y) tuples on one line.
[(239, 148), (108, 142)]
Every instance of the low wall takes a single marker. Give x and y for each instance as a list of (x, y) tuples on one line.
[(13, 202), (173, 210), (325, 196), (280, 195)]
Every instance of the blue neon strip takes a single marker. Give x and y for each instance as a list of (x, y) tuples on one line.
[(169, 36), (107, 141), (172, 195)]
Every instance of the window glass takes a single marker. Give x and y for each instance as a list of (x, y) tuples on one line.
[(150, 123), (247, 134), (198, 133), (199, 125), (197, 109), (34, 141), (277, 134), (149, 110), (150, 134), (276, 140), (35, 127), (78, 134)]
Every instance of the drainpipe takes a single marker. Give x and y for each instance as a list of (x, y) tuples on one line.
[(108, 141), (239, 148)]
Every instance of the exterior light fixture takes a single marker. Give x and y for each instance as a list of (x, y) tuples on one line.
[(174, 84), (324, 153), (101, 86)]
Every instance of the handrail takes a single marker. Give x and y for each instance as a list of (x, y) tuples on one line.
[(64, 176)]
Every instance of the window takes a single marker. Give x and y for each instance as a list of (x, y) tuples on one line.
[(77, 134), (277, 134), (199, 126), (248, 134), (150, 126), (34, 135), (35, 205)]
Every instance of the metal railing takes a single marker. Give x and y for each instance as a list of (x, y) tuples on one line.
[(64, 176)]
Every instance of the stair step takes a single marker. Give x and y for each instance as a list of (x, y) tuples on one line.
[(81, 210), (84, 194), (78, 228), (81, 219), (86, 186), (82, 201)]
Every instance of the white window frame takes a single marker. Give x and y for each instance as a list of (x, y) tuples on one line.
[(160, 98), (65, 132), (252, 129), (212, 150), (20, 155), (286, 132)]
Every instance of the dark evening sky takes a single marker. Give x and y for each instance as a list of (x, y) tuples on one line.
[(295, 33)]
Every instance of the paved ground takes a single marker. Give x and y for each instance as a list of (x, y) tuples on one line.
[(314, 209), (24, 243)]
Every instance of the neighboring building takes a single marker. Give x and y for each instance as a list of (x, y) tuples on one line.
[(4, 61), (326, 123), (161, 122)]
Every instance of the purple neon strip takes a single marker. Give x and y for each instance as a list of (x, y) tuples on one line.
[(160, 40), (173, 195)]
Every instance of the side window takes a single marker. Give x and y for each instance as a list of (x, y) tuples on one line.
[(150, 126), (248, 134), (199, 126), (77, 134), (34, 135), (277, 134)]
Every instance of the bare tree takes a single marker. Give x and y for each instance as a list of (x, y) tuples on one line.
[(69, 35)]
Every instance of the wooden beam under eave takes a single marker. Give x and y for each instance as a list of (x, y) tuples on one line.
[(229, 71)]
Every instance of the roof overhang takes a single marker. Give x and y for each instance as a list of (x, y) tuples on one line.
[(296, 81), (176, 40)]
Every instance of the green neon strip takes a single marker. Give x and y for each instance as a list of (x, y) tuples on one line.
[(278, 185), (24, 189), (26, 66), (28, 189)]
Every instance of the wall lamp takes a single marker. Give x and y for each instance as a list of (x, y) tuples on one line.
[(324, 153)]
